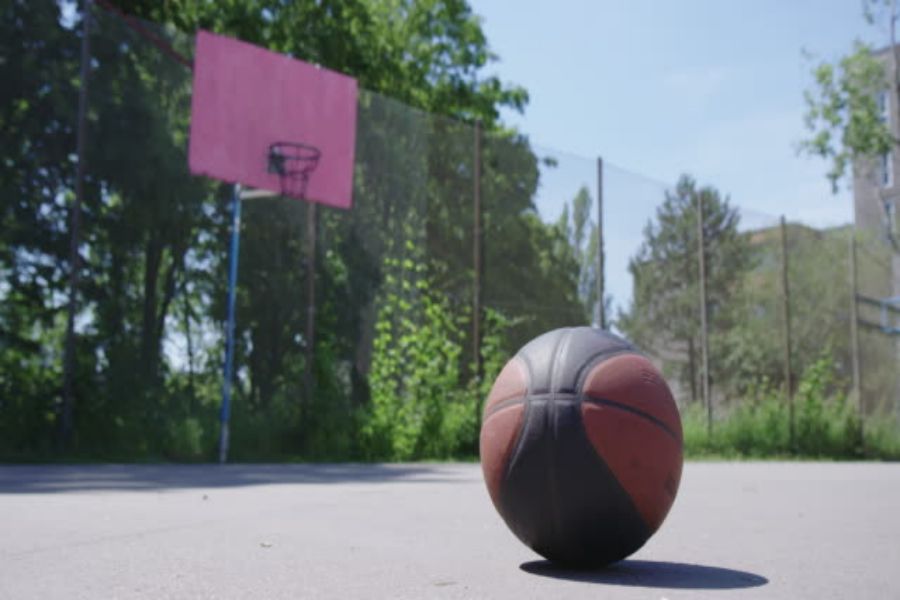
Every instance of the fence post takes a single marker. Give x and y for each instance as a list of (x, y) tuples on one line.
[(786, 313), (477, 254), (854, 332), (310, 334), (601, 307), (75, 232), (478, 268), (704, 332)]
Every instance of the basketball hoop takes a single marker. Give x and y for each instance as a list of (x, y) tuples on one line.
[(293, 162)]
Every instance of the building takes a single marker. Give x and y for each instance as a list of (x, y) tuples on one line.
[(876, 192)]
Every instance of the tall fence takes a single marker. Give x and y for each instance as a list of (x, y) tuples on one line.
[(798, 329), (462, 244)]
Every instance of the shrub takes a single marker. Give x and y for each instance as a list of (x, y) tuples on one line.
[(826, 423)]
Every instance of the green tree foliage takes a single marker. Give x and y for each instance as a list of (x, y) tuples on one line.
[(583, 239), (848, 110), (530, 285), (745, 300), (430, 54), (843, 115), (753, 349), (664, 315), (39, 71), (155, 240), (531, 268), (418, 408), (849, 115)]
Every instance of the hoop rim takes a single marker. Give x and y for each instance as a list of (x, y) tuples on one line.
[(301, 150), (303, 158)]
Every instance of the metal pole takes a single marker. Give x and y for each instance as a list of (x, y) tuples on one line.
[(228, 368), (601, 307), (704, 333), (786, 311), (75, 232), (854, 331), (477, 255), (311, 241)]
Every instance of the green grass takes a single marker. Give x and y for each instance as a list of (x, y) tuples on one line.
[(826, 425), (761, 430)]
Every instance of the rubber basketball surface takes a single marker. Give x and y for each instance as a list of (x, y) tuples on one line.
[(581, 446)]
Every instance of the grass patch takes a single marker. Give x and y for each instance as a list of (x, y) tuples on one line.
[(825, 426)]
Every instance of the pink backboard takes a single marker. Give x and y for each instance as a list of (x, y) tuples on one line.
[(246, 98)]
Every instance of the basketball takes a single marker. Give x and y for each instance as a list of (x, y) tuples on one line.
[(581, 447)]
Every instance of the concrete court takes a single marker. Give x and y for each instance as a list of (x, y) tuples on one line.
[(737, 530)]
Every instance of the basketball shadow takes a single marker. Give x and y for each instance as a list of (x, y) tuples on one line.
[(652, 574)]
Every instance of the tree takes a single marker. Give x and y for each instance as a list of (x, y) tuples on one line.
[(844, 115), (531, 268), (664, 315), (851, 114), (583, 238), (37, 117), (751, 351), (154, 237), (430, 54), (848, 107)]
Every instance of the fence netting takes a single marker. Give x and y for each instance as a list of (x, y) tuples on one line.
[(376, 332)]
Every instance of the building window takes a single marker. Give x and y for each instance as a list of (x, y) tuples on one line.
[(887, 169), (884, 106)]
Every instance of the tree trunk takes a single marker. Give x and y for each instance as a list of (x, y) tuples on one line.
[(149, 340), (176, 264), (117, 298), (189, 338)]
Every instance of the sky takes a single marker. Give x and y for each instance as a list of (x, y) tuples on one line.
[(712, 88)]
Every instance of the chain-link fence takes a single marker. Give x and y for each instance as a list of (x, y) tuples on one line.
[(375, 332), (798, 352)]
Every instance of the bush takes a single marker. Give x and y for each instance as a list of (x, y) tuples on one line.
[(826, 424), (419, 408), (757, 428), (186, 440)]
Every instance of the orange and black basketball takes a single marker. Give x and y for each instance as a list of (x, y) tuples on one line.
[(581, 446)]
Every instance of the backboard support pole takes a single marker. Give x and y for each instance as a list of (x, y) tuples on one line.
[(228, 368), (68, 400)]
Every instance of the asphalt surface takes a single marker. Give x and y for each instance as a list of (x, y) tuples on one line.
[(737, 530)]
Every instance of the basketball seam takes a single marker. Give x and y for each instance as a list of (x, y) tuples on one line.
[(526, 416), (586, 398), (600, 457), (635, 411), (490, 408), (527, 364), (595, 359), (501, 405), (557, 361)]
